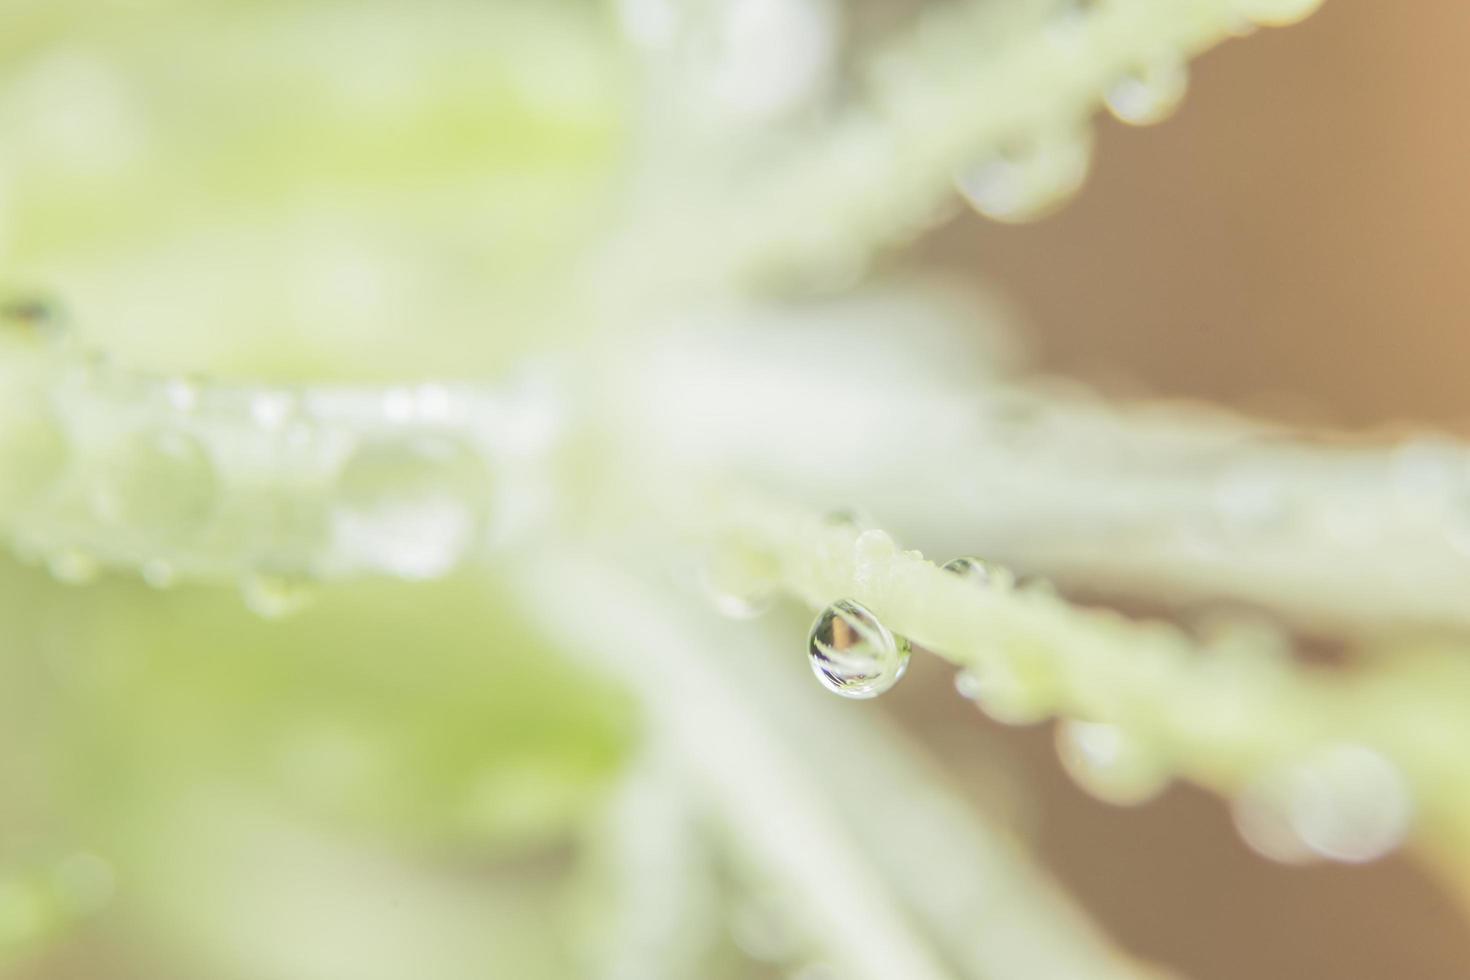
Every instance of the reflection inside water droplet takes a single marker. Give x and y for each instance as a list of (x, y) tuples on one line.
[(853, 654)]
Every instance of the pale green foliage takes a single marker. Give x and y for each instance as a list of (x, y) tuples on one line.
[(448, 187)]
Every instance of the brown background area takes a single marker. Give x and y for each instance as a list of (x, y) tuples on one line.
[(1300, 228), (1295, 240)]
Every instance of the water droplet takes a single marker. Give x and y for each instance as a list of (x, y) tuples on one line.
[(414, 507), (73, 566), (398, 405), (273, 596), (1108, 762), (181, 395), (433, 403), (271, 409), (999, 691), (1149, 93), (159, 574), (1035, 585), (157, 484), (733, 586), (981, 572), (853, 654), (1031, 181), (1343, 802)]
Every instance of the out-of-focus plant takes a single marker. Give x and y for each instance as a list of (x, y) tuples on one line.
[(507, 346)]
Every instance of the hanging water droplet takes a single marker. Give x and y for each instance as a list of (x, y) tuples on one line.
[(1149, 93), (274, 596), (157, 484), (1030, 181), (738, 606), (1002, 693), (853, 654), (1344, 802), (414, 507), (981, 572), (73, 566), (1108, 762)]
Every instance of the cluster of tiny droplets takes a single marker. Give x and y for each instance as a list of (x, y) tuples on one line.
[(999, 687), (276, 487), (1039, 170), (1340, 802)]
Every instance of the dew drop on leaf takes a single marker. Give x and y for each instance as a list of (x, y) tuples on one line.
[(1149, 93), (414, 507), (1343, 802), (1109, 762), (159, 574), (73, 566), (853, 654), (274, 596), (1002, 694), (981, 572), (732, 602), (1031, 180)]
